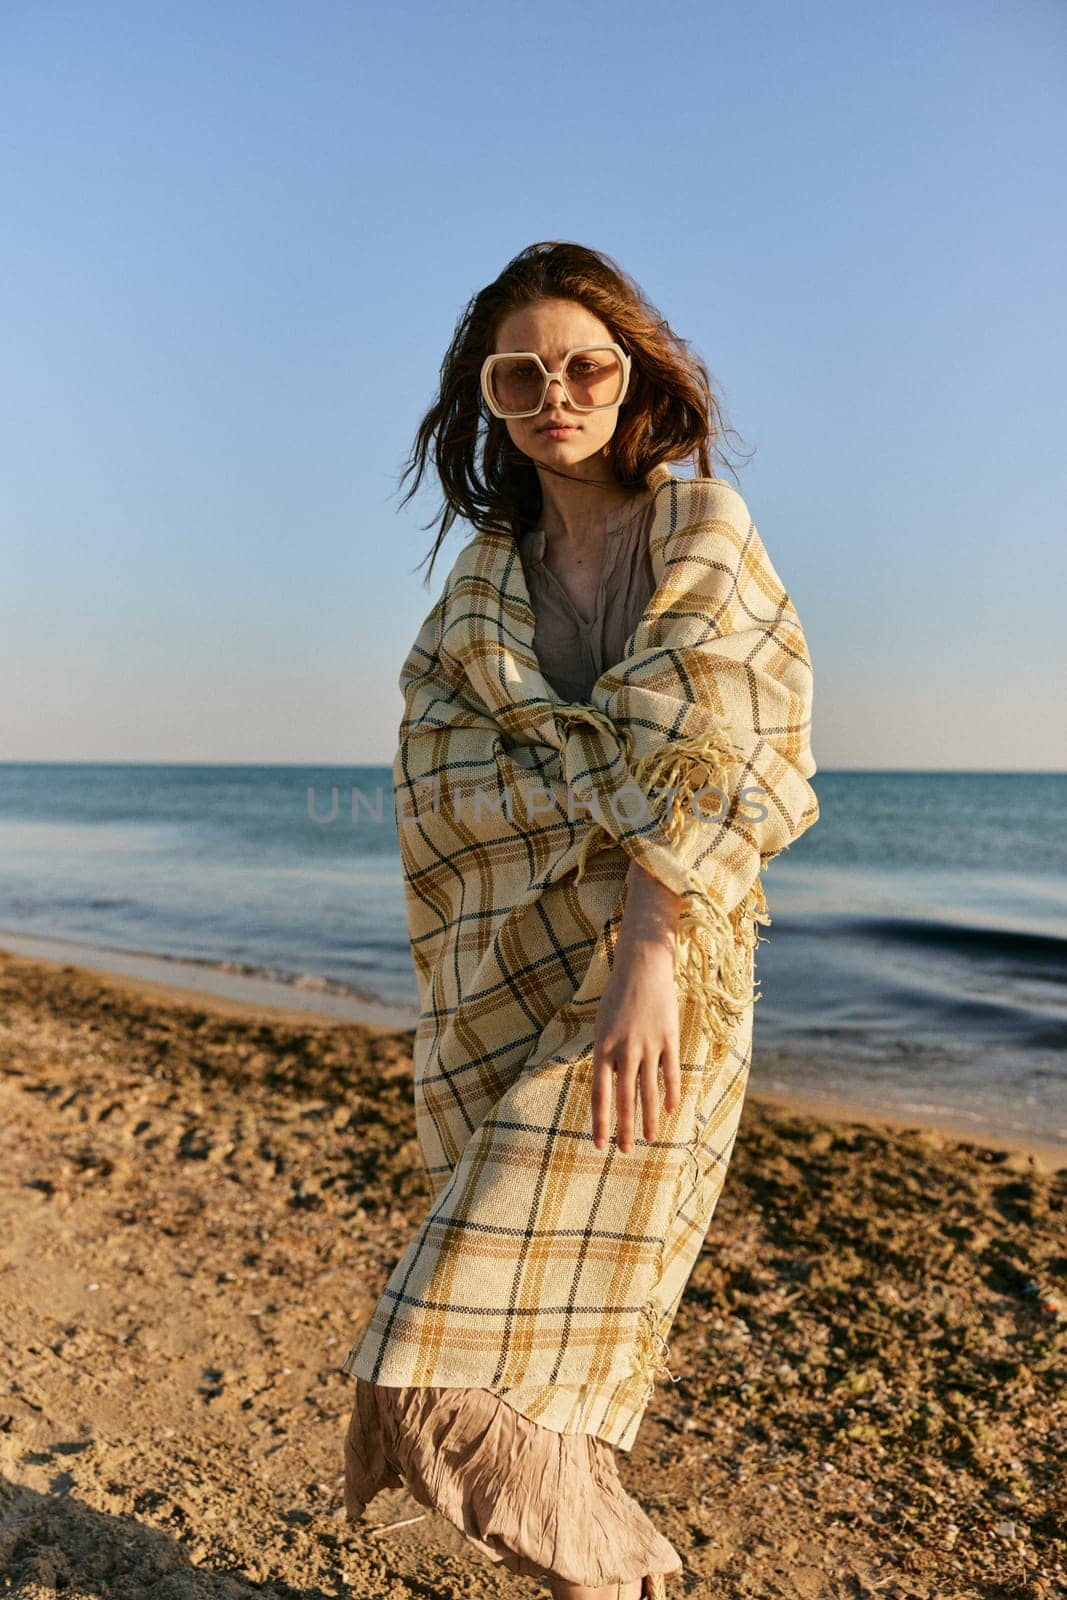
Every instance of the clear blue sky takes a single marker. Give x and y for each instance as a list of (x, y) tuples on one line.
[(236, 241)]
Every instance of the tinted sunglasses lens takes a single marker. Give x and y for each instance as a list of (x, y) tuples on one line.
[(594, 377), (515, 383)]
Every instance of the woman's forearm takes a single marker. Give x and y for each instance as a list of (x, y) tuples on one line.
[(651, 912)]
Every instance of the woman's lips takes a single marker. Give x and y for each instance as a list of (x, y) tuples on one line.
[(559, 433)]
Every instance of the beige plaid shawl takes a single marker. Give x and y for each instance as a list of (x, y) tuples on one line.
[(546, 1269)]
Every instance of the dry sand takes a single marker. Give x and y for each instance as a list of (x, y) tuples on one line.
[(199, 1202)]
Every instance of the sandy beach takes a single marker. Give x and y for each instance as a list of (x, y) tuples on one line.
[(201, 1200)]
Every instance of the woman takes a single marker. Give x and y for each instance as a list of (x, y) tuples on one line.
[(606, 736)]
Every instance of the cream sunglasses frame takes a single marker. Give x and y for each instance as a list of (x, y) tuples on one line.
[(500, 355)]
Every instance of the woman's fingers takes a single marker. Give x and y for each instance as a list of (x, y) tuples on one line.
[(630, 1075), (612, 1076), (649, 1078), (670, 1061), (603, 1083), (627, 1061)]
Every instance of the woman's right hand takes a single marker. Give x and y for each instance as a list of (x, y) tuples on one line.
[(637, 1030)]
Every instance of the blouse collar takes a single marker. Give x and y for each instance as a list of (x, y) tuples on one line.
[(488, 589), (621, 517)]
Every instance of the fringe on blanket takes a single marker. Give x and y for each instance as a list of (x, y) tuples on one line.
[(649, 1359)]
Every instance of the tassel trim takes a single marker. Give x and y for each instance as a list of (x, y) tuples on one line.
[(714, 962), (651, 1350), (687, 766), (577, 713)]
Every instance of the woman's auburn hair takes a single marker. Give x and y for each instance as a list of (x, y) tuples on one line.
[(670, 412)]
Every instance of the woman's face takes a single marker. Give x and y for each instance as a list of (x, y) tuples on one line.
[(550, 328)]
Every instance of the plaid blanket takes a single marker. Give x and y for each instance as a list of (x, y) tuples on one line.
[(546, 1269)]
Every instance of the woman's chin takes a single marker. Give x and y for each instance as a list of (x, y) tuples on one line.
[(573, 448)]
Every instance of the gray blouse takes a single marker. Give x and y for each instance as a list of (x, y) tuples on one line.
[(572, 651)]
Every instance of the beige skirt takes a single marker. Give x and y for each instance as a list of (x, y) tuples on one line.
[(545, 1504)]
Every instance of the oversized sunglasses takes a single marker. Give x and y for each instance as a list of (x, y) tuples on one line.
[(594, 376)]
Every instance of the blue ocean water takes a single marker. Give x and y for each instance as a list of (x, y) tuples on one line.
[(917, 957)]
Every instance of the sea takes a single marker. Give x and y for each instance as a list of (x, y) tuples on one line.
[(916, 961)]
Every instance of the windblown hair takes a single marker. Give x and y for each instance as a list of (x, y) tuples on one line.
[(671, 413)]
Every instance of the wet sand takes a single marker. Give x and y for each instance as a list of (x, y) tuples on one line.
[(200, 1199)]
